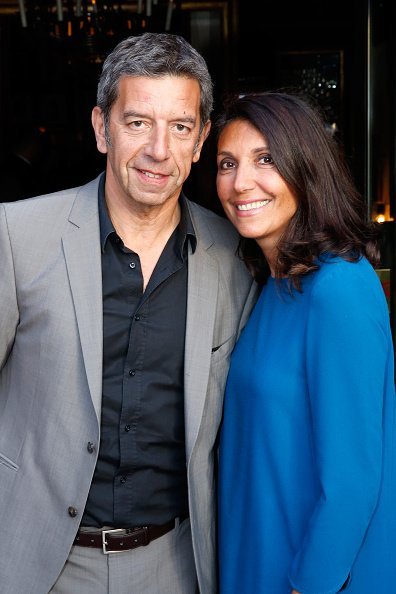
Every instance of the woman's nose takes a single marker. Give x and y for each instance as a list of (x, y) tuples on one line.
[(244, 179)]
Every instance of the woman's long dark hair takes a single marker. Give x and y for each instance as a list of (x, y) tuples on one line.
[(330, 216)]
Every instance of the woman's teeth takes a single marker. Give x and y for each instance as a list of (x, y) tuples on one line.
[(252, 205)]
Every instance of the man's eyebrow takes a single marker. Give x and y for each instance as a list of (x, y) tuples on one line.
[(141, 115), (186, 119), (135, 114)]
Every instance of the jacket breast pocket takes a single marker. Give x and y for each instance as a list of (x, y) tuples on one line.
[(223, 350), (220, 361)]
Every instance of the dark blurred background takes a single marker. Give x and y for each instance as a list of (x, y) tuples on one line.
[(341, 53)]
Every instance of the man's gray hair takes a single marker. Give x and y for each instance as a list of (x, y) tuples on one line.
[(153, 55)]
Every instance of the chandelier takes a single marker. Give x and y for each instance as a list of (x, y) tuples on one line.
[(94, 24)]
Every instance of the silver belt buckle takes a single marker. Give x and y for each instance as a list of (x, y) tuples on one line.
[(104, 542)]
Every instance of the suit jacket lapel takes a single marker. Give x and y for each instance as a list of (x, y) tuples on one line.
[(81, 244), (201, 309)]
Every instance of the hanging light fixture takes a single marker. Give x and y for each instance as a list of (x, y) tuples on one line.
[(91, 22)]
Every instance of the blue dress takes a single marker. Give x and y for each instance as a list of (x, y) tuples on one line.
[(307, 468)]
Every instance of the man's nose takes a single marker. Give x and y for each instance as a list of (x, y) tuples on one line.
[(158, 144)]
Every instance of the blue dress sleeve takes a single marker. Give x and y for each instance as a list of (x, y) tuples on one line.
[(347, 352)]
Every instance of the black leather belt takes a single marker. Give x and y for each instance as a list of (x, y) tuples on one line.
[(117, 540)]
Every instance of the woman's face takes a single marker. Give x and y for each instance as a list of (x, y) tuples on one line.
[(254, 196)]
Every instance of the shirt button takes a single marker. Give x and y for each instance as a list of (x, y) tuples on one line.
[(127, 428), (90, 447), (137, 317), (123, 480), (132, 372), (132, 265), (72, 512)]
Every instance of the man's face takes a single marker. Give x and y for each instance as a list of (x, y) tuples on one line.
[(154, 139)]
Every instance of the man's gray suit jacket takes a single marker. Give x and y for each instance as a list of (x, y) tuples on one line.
[(51, 376)]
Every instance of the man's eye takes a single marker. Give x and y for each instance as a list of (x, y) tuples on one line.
[(182, 128), (136, 124)]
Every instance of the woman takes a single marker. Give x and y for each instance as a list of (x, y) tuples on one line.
[(307, 484)]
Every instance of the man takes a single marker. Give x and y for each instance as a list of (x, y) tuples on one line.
[(121, 302)]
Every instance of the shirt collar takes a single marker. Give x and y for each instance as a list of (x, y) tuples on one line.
[(185, 227), (105, 224)]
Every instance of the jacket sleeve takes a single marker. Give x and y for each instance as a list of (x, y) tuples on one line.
[(9, 314), (347, 349)]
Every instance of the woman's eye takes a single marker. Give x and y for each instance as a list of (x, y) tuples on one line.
[(266, 160), (226, 165)]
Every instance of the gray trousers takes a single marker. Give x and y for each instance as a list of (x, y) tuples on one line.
[(165, 566)]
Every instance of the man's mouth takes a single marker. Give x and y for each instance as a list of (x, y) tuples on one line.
[(152, 175)]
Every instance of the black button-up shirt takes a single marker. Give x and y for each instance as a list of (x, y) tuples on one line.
[(140, 477)]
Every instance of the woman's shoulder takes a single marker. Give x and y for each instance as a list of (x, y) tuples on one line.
[(344, 281), (337, 268)]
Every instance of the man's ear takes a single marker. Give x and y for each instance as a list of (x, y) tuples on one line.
[(203, 136), (99, 129)]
